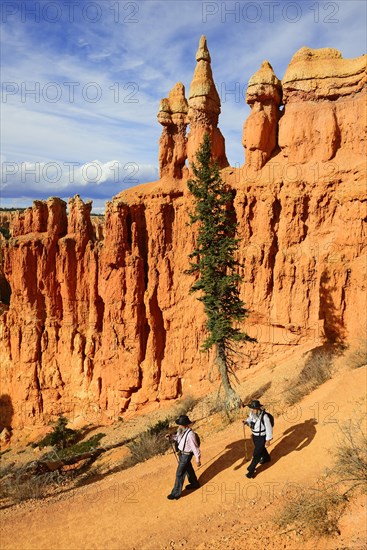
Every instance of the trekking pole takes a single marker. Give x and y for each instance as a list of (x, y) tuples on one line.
[(244, 435), (174, 450)]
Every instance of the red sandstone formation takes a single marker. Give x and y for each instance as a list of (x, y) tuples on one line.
[(96, 327), (321, 98), (323, 109), (173, 143), (264, 94), (204, 109)]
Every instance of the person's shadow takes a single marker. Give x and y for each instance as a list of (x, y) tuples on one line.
[(295, 438), (233, 452)]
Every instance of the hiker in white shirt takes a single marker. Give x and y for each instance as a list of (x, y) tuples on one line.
[(262, 434), (187, 448)]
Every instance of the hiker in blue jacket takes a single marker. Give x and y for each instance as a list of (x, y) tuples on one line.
[(262, 434)]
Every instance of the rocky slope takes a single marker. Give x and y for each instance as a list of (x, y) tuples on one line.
[(101, 321)]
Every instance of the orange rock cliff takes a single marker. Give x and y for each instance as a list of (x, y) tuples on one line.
[(98, 321)]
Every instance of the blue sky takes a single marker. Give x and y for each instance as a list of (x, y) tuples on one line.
[(82, 80)]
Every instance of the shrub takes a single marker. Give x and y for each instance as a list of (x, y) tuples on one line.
[(147, 445), (21, 485), (350, 454), (78, 448), (60, 437), (316, 511), (358, 357), (23, 489)]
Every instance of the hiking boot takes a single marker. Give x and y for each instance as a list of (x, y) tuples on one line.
[(172, 497), (191, 486), (250, 475)]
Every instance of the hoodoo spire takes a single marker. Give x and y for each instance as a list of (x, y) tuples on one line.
[(264, 95), (204, 108), (172, 145)]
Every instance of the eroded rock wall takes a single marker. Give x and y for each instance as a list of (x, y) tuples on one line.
[(101, 321)]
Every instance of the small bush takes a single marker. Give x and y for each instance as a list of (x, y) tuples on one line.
[(24, 489), (358, 357), (21, 485), (316, 511), (147, 445), (317, 370), (60, 437), (78, 448), (350, 455)]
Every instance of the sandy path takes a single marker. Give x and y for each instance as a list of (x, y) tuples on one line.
[(129, 510)]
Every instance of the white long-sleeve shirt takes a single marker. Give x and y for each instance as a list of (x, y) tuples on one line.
[(187, 442), (262, 425)]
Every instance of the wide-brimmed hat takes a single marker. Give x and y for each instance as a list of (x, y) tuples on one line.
[(255, 404), (183, 420)]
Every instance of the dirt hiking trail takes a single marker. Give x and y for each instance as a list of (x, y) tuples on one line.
[(129, 510)]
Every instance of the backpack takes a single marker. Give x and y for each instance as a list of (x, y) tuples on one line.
[(197, 437), (270, 416)]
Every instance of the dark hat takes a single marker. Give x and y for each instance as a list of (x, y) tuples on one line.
[(255, 404), (183, 420)]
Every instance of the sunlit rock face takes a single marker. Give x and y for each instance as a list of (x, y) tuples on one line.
[(324, 109)]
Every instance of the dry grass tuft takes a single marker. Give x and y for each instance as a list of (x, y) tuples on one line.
[(20, 485), (350, 455), (357, 357), (147, 445), (315, 512)]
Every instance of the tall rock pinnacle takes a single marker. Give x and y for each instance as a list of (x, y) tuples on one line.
[(264, 94), (204, 108), (172, 144)]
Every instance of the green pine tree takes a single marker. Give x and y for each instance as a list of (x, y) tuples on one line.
[(213, 261)]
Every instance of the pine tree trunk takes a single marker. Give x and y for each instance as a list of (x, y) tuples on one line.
[(232, 399)]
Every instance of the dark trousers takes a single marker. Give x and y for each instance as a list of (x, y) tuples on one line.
[(184, 467), (260, 452)]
